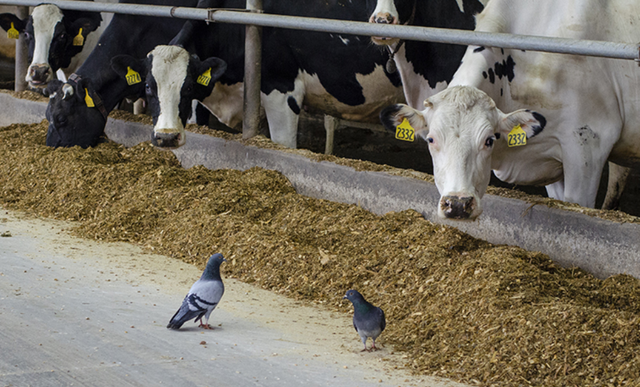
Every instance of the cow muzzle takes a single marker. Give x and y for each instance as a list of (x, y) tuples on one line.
[(38, 75), (458, 207), (383, 18), (168, 139)]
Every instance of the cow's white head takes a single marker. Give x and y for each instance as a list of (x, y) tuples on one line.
[(173, 79), (45, 18), (53, 36), (461, 125), (385, 12)]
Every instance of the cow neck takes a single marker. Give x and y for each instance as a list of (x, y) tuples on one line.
[(391, 64), (75, 78)]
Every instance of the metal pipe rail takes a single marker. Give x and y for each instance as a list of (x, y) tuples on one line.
[(522, 42)]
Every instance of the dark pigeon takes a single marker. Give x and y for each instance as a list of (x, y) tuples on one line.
[(203, 296), (367, 319)]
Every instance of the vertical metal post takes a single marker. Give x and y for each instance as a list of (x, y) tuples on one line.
[(252, 75), (22, 56)]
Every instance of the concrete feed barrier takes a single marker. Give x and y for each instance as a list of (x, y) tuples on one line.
[(598, 246)]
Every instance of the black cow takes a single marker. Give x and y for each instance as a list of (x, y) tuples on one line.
[(340, 75), (75, 119), (55, 37)]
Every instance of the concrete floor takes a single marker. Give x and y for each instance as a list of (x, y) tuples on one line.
[(82, 313)]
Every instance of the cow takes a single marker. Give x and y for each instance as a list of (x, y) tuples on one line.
[(57, 39), (74, 118), (424, 67), (340, 75), (533, 118), (194, 77)]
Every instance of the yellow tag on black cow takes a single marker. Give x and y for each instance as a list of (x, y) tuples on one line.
[(13, 33), (205, 78), (132, 77), (87, 99), (405, 131), (78, 40), (517, 137)]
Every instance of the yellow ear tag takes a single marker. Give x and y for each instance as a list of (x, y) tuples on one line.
[(13, 33), (205, 78), (132, 77), (87, 99), (405, 131), (78, 40), (517, 137)]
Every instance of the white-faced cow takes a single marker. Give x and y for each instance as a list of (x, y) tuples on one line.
[(340, 75), (586, 109), (171, 72), (74, 118), (57, 39)]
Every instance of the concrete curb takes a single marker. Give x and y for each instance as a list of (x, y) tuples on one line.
[(598, 246)]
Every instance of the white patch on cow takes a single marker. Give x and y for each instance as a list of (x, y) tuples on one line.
[(460, 5), (226, 103), (385, 7), (344, 40), (169, 68), (45, 18), (378, 92)]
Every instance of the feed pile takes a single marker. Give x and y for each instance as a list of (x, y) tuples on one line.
[(458, 307)]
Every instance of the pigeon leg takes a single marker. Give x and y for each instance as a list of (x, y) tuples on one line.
[(205, 326)]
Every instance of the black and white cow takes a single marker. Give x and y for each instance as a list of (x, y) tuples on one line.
[(586, 109), (343, 76), (171, 71), (75, 119), (57, 39), (425, 67)]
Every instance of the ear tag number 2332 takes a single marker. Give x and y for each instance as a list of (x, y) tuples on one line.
[(517, 137), (405, 131)]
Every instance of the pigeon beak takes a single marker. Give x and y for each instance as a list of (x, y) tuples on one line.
[(344, 297)]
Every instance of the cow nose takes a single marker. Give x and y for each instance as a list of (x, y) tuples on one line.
[(39, 73), (167, 140), (384, 18), (456, 207)]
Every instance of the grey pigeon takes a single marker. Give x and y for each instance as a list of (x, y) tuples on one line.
[(203, 296), (367, 319)]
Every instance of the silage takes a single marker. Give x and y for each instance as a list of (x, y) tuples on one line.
[(458, 306)]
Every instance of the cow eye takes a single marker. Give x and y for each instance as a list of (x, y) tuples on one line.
[(430, 140), (147, 88), (489, 142)]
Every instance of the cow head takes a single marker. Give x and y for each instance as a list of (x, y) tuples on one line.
[(73, 116), (173, 79), (54, 37), (391, 12), (461, 125)]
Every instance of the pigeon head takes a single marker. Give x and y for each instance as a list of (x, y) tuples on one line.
[(212, 271), (354, 296)]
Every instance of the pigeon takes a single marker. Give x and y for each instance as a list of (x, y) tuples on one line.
[(203, 296), (367, 319)]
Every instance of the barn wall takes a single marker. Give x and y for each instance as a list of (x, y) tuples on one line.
[(601, 247)]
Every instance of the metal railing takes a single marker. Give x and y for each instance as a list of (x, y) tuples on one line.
[(617, 50)]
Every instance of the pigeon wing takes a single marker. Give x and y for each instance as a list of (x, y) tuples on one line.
[(189, 310)]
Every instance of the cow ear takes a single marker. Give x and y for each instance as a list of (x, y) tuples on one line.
[(129, 68), (7, 18), (88, 24), (209, 71), (395, 115), (531, 122)]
